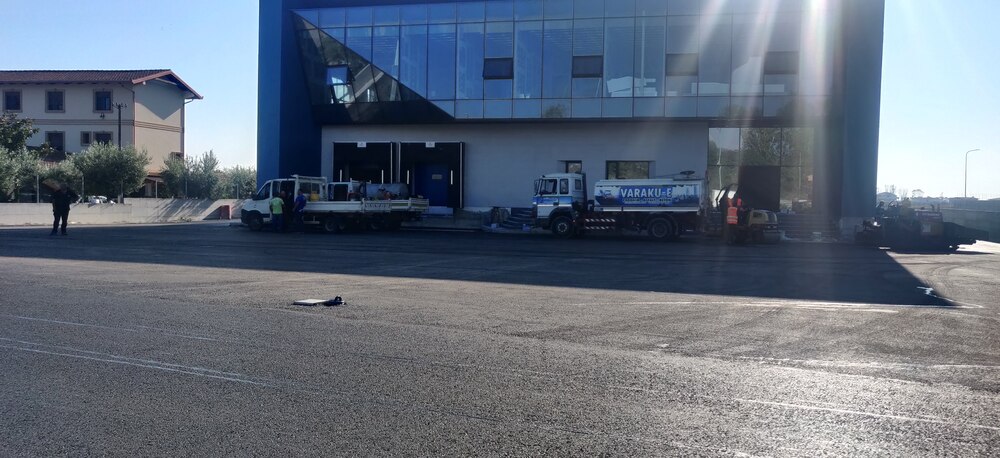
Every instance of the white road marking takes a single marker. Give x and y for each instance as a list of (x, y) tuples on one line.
[(151, 365), (930, 292), (788, 405), (99, 326)]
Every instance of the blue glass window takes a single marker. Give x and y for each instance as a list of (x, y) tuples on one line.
[(650, 51), (526, 10), (556, 108), (500, 10), (684, 7), (472, 12), (748, 56), (557, 64), (385, 50), (470, 63), (588, 37), (441, 13), (497, 109), (441, 40), (588, 8), (494, 89), (650, 7), (338, 34), (500, 39), (558, 9), (587, 108), (311, 16), (359, 40), (617, 108), (413, 58), (413, 14), (332, 17), (501, 68), (619, 8), (359, 16), (715, 60), (588, 66), (528, 59), (619, 46), (528, 109), (469, 109), (386, 15)]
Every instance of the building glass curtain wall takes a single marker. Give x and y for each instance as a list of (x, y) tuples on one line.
[(775, 94), (741, 60)]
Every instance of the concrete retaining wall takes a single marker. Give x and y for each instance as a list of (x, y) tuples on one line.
[(135, 210), (983, 220)]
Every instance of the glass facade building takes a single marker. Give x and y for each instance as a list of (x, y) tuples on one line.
[(730, 85)]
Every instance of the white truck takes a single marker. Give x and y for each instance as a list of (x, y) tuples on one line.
[(402, 206), (326, 207), (663, 208)]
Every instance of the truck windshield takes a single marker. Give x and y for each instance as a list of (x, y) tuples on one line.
[(545, 186)]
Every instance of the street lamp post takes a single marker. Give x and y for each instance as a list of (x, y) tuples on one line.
[(965, 192)]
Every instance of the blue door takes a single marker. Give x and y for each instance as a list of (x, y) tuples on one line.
[(432, 183)]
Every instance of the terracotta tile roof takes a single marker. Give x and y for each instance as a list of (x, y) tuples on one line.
[(91, 77)]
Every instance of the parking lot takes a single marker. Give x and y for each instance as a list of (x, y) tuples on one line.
[(182, 339)]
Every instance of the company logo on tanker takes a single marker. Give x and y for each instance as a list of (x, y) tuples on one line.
[(645, 193)]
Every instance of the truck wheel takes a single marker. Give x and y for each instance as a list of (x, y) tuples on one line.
[(377, 224), (562, 226), (332, 225), (661, 229), (255, 222)]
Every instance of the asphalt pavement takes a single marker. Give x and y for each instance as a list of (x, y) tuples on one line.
[(181, 340)]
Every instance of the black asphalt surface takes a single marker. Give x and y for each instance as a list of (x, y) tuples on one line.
[(181, 340)]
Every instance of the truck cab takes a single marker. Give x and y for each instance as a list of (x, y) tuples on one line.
[(558, 195), (257, 212)]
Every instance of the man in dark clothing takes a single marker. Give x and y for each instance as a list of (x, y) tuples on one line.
[(288, 204), (300, 210), (61, 199)]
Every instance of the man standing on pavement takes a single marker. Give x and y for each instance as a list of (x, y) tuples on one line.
[(300, 210), (61, 199), (277, 222)]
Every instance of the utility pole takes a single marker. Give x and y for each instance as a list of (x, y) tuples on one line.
[(120, 106)]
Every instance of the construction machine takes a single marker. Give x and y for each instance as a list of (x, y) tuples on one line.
[(739, 224), (901, 227)]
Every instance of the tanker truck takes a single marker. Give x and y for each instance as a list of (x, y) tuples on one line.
[(662, 208)]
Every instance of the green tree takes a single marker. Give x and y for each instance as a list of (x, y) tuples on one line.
[(17, 168), (108, 170), (63, 172), (238, 182), (175, 175), (205, 174), (14, 132)]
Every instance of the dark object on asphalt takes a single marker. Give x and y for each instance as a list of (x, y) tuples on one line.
[(335, 301), (901, 227)]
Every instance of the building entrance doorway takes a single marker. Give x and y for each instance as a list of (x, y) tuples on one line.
[(434, 170), (370, 162)]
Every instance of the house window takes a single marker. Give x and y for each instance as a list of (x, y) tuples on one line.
[(56, 140), (102, 100), (103, 137), (11, 100), (85, 138), (574, 167), (628, 170), (498, 69), (54, 101), (588, 66)]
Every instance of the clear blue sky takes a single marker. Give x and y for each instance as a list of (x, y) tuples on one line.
[(940, 96)]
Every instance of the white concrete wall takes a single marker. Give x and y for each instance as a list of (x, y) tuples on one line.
[(135, 210), (503, 160), (159, 122)]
